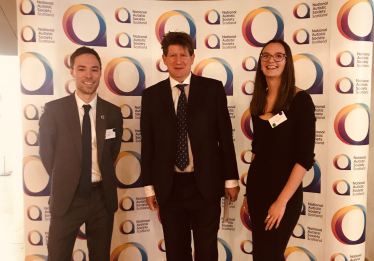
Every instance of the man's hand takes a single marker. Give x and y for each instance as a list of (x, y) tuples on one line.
[(152, 203), (232, 193)]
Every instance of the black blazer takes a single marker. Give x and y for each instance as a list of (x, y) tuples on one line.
[(209, 130), (61, 150)]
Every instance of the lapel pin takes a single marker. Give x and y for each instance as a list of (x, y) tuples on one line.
[(102, 116)]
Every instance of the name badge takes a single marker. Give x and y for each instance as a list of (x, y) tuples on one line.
[(277, 119), (110, 134)]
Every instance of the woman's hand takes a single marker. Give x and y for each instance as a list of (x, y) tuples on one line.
[(275, 214), (245, 205)]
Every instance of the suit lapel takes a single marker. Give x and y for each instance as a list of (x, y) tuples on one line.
[(167, 98), (101, 120), (71, 111)]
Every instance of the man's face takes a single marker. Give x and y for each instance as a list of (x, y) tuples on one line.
[(178, 61), (87, 73)]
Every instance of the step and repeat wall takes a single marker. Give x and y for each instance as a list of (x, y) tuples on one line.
[(332, 47)]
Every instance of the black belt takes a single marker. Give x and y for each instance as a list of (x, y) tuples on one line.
[(97, 185)]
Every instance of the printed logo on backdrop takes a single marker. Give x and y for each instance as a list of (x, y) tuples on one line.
[(336, 164), (317, 86), (130, 135), (295, 34), (27, 135), (343, 25), (36, 257), (116, 14), (67, 60), (128, 199), (161, 22), (33, 34), (109, 76), (246, 220), (290, 250), (114, 256), (81, 235), (67, 23), (131, 113), (302, 235), (303, 210), (208, 21), (128, 45), (337, 224), (230, 77), (248, 21), (245, 84), (35, 114), (161, 245), (340, 126), (338, 86), (334, 256), (339, 57), (227, 249), (39, 215), (127, 231), (67, 86), (32, 10), (347, 191), (246, 124), (79, 251), (158, 66), (296, 8), (30, 236), (46, 190), (244, 158), (217, 46), (137, 183), (243, 247), (315, 185), (243, 179), (244, 64), (47, 87)]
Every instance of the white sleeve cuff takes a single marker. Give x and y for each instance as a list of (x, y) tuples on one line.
[(149, 191), (232, 183)]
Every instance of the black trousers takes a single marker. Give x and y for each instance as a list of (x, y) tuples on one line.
[(99, 226), (184, 210)]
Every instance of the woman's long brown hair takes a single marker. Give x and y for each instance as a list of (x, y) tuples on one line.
[(286, 89)]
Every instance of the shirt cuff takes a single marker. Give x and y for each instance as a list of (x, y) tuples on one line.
[(149, 191), (231, 183)]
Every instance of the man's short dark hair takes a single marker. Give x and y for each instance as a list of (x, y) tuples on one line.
[(83, 50), (177, 38)]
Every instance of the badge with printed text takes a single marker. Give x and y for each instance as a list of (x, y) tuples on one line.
[(110, 134), (277, 119)]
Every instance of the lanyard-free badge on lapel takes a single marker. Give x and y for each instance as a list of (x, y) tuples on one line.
[(277, 119)]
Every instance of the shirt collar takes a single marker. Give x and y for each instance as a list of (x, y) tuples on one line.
[(80, 103), (173, 82)]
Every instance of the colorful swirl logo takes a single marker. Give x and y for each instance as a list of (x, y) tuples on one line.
[(33, 37), (79, 251), (67, 23), (116, 14), (36, 257), (227, 249), (230, 77), (32, 11), (132, 205), (336, 165), (160, 247), (44, 192), (339, 62), (342, 21), (81, 235), (294, 37), (36, 112), (242, 247), (296, 8), (242, 156), (243, 179), (337, 225), (338, 254), (47, 87), (118, 250), (26, 137), (128, 45), (290, 250), (245, 85), (137, 183), (38, 217), (122, 229), (158, 66), (335, 188), (338, 87), (40, 240), (66, 60), (246, 124), (302, 236), (339, 124), (246, 220), (109, 76), (67, 85), (206, 41), (161, 22), (317, 86), (131, 112), (315, 185), (247, 25), (303, 210), (131, 138), (206, 16), (244, 65)]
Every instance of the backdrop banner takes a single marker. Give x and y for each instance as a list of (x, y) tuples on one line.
[(332, 44)]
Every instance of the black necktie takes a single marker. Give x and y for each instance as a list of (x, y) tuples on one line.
[(85, 181), (182, 159)]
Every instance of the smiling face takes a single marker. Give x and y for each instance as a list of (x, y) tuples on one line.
[(272, 68), (87, 74), (178, 62)]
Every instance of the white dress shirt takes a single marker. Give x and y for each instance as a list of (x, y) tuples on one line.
[(96, 174), (149, 190)]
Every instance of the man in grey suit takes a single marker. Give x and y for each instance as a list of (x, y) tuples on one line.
[(80, 138)]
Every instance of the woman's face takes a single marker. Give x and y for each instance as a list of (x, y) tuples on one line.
[(271, 68)]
